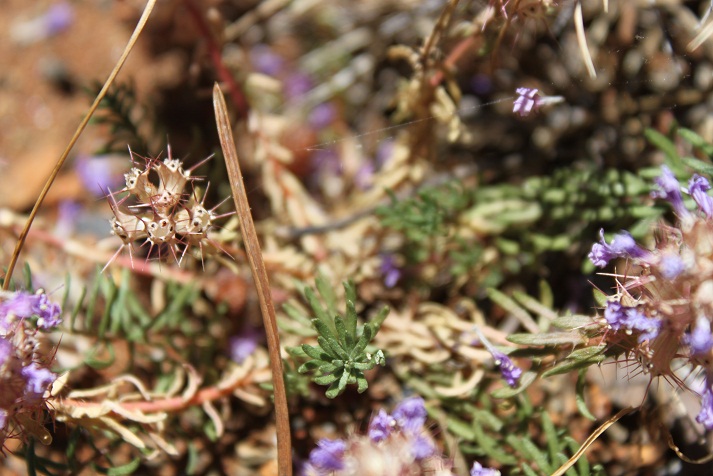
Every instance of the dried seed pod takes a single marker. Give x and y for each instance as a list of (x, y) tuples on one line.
[(171, 176), (163, 203), (162, 231), (138, 184), (125, 225)]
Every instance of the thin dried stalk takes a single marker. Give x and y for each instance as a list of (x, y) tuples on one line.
[(582, 40), (700, 38), (592, 438), (110, 80), (437, 30), (262, 285)]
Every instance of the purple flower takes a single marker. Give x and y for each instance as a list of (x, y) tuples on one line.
[(266, 61), (705, 417), (322, 115), (24, 305), (364, 176), (381, 426), (37, 379), (697, 188), (411, 415), (296, 86), (527, 101), (511, 373), (670, 190), (3, 418), (479, 470), (630, 318), (5, 350), (614, 315), (329, 455), (100, 173), (242, 346), (58, 18), (20, 305), (48, 313), (648, 327), (622, 246), (389, 270), (670, 266), (422, 448), (700, 339)]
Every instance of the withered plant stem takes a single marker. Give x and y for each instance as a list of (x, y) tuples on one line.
[(216, 57), (110, 80), (591, 439), (435, 35), (171, 404), (262, 285)]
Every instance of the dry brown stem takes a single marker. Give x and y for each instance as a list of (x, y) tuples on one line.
[(262, 285), (53, 175)]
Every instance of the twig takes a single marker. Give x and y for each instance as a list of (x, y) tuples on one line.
[(110, 80), (262, 285), (236, 94), (465, 45), (592, 438), (171, 404), (440, 26)]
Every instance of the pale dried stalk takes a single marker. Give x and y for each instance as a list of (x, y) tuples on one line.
[(700, 38), (262, 285), (582, 40), (110, 80)]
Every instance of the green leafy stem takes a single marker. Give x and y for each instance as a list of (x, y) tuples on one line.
[(342, 353)]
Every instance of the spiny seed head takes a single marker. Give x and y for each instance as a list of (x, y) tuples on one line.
[(663, 307), (161, 212)]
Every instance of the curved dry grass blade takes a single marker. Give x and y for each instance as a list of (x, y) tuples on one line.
[(700, 38), (262, 285), (592, 438), (110, 80), (582, 40), (679, 453)]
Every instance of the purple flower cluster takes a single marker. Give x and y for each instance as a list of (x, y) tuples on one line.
[(328, 455), (621, 246), (394, 442), (663, 296), (24, 372), (632, 320), (24, 305)]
